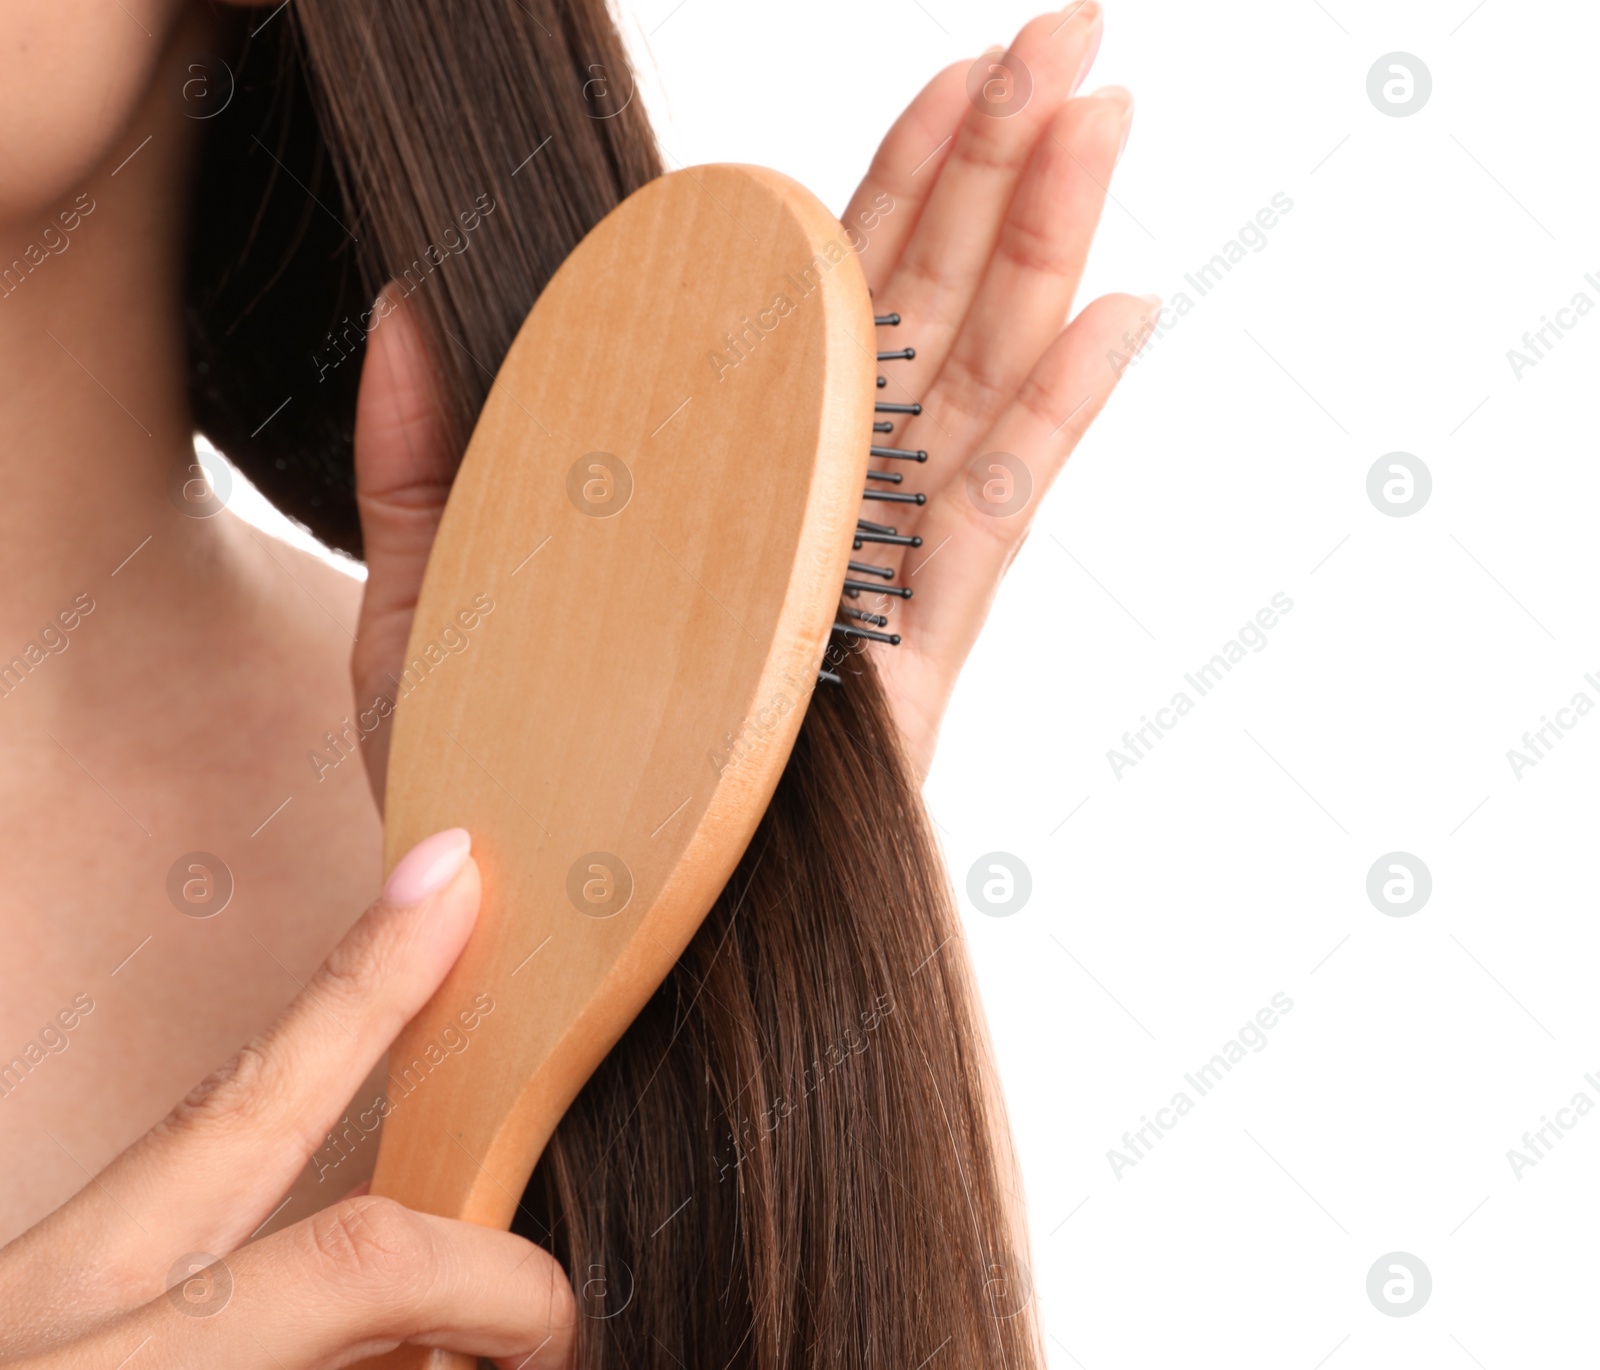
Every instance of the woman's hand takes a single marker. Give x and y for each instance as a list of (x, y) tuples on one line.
[(996, 178), (148, 1264), (994, 199)]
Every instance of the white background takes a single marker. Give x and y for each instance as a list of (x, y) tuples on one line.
[(1231, 863)]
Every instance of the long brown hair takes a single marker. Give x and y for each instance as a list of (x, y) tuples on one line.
[(795, 1157)]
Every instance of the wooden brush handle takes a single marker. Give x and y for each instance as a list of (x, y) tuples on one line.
[(621, 625)]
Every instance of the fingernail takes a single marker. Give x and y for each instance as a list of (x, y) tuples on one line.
[(428, 866), (1151, 320), (1118, 95), (384, 304), (1088, 14)]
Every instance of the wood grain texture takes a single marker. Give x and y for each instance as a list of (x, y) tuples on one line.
[(612, 653)]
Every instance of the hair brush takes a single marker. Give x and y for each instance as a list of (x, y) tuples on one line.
[(646, 565)]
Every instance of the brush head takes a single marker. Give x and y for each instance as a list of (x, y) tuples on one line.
[(621, 625)]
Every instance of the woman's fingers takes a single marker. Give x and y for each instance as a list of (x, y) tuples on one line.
[(974, 525), (905, 169), (1028, 285), (984, 281), (948, 251), (356, 1280), (206, 1177), (404, 468)]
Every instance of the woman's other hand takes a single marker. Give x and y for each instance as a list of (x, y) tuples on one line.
[(996, 175), (151, 1264)]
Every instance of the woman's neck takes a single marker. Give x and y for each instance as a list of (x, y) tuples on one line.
[(94, 405)]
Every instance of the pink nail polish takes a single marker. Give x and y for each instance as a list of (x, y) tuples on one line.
[(427, 867)]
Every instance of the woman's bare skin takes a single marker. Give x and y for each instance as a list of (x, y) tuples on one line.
[(181, 714)]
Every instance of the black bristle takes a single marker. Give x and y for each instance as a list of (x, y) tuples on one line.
[(867, 569), (880, 533), (850, 630), (900, 591)]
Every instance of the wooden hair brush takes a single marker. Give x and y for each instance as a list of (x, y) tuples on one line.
[(629, 602)]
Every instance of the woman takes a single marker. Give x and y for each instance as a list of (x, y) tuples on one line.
[(180, 735)]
